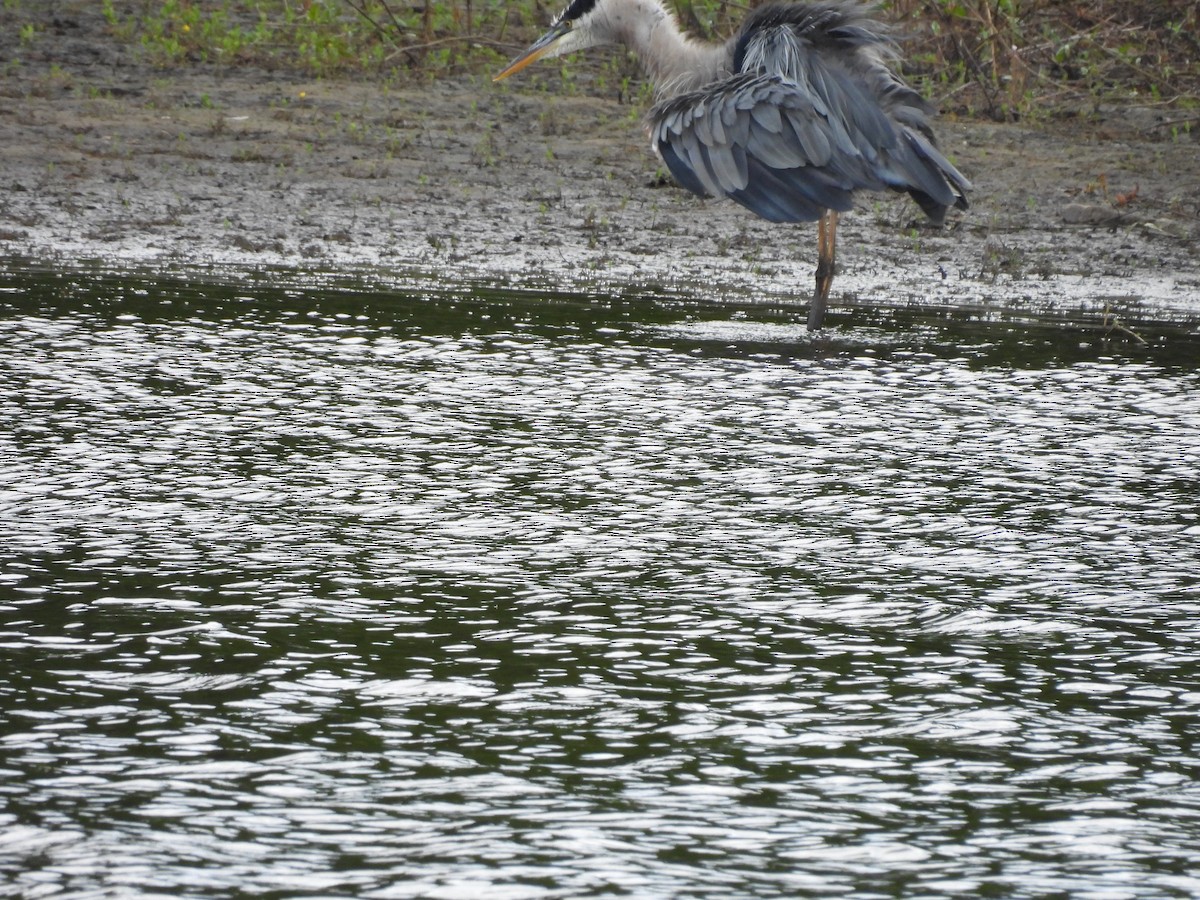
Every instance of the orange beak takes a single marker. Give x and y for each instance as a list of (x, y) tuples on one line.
[(536, 51)]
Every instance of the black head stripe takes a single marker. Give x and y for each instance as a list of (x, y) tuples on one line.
[(577, 10)]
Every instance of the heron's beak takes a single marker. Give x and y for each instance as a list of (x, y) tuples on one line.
[(542, 46)]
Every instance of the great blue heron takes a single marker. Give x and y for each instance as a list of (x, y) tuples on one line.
[(791, 116)]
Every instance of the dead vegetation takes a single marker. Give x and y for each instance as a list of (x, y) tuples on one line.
[(1003, 60)]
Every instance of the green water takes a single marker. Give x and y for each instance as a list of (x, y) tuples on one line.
[(308, 591)]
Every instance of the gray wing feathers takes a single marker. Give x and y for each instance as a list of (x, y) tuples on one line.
[(815, 142), (803, 126), (730, 174), (766, 115), (694, 155), (755, 136)]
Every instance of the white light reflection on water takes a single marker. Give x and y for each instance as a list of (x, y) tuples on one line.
[(329, 596)]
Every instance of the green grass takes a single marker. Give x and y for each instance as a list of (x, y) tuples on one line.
[(1001, 59)]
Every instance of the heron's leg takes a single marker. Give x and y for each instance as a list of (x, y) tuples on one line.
[(826, 244)]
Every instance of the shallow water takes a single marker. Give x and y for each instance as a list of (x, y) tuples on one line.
[(317, 592)]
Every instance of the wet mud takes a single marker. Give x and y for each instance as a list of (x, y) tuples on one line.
[(107, 160)]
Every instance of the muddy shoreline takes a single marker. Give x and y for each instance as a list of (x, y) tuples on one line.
[(107, 161)]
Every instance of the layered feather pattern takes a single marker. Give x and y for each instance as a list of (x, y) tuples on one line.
[(811, 113)]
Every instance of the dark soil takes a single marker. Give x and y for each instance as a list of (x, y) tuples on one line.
[(106, 159)]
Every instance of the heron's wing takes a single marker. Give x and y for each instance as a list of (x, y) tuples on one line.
[(789, 148), (784, 152), (837, 54)]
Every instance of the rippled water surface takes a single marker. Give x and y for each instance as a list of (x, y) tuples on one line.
[(317, 593)]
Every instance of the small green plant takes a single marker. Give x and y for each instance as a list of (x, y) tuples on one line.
[(486, 151)]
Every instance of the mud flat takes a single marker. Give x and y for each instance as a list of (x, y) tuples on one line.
[(105, 160)]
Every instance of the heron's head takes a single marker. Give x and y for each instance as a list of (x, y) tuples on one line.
[(574, 29)]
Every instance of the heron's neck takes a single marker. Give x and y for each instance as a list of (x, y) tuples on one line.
[(674, 62)]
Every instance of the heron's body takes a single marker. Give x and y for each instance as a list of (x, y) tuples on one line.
[(790, 117)]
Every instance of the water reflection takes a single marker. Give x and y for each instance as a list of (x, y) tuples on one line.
[(321, 594)]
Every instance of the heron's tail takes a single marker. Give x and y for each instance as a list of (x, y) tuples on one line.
[(928, 177)]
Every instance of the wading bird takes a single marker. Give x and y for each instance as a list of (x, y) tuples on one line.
[(788, 118)]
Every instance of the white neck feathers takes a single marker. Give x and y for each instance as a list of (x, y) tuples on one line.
[(674, 62)]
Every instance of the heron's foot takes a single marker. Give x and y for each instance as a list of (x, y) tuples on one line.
[(820, 301)]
